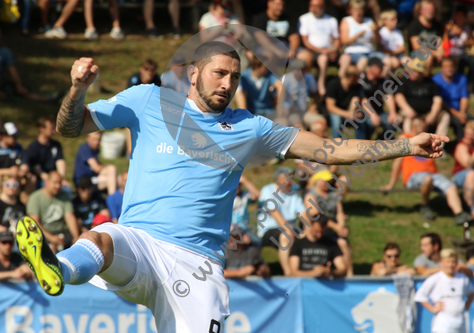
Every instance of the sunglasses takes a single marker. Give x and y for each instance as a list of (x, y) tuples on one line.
[(393, 256), (11, 184)]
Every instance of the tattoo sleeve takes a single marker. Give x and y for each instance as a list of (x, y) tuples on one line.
[(71, 117), (400, 148)]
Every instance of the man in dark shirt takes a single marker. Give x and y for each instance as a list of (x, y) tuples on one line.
[(12, 155), (418, 96), (279, 25), (11, 209), (12, 265), (88, 204), (146, 75), (314, 255), (341, 95), (243, 258)]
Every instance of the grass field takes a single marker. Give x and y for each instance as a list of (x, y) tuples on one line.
[(374, 220)]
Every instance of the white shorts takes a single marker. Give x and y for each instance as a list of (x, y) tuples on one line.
[(164, 283)]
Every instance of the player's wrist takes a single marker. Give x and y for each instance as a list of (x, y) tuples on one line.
[(76, 93)]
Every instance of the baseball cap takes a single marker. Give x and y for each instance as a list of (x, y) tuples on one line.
[(418, 66), (325, 175), (236, 230), (10, 129), (284, 170), (375, 62), (6, 236)]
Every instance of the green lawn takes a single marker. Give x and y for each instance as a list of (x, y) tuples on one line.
[(374, 219)]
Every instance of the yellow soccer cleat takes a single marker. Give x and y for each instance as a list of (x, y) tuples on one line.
[(38, 255)]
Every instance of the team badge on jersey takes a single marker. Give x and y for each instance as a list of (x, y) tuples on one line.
[(226, 126)]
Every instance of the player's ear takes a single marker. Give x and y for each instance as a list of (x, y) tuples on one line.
[(192, 74)]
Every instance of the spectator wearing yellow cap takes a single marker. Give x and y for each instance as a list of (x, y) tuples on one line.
[(322, 200)]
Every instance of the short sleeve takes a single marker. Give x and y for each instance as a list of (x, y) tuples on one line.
[(205, 21), (423, 294), (59, 155), (335, 28), (464, 87), (331, 90), (303, 29), (335, 252), (293, 27), (401, 40), (434, 89), (122, 109), (296, 249), (413, 29), (32, 206), (419, 261), (273, 79), (274, 139)]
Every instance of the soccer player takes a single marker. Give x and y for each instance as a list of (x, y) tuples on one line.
[(177, 206)]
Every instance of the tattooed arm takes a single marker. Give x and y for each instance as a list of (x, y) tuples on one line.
[(74, 117), (337, 151)]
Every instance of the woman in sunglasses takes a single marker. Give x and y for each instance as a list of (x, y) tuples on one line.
[(390, 263), (11, 209)]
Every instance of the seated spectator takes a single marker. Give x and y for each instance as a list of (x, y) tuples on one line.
[(320, 35), (330, 204), (372, 82), (447, 294), (114, 201), (283, 218), (421, 174), (52, 209), (421, 29), (340, 99), (173, 10), (88, 164), (88, 204), (176, 78), (11, 209), (454, 91), (45, 154), (390, 263), (245, 260), (259, 90), (313, 255), (470, 258), (418, 96), (146, 75), (12, 265), (358, 33), (463, 172), (219, 14), (240, 210), (14, 86), (427, 263), (391, 39)]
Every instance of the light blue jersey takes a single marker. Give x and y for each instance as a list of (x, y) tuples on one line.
[(185, 165)]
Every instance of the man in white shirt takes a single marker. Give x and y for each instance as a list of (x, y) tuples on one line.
[(320, 35), (445, 294)]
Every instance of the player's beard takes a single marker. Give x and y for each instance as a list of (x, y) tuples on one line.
[(212, 106)]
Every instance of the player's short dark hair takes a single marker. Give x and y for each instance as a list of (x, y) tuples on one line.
[(435, 239), (469, 253), (202, 55), (47, 119), (392, 246)]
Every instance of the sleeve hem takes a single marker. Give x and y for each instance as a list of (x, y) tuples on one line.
[(96, 120), (289, 143)]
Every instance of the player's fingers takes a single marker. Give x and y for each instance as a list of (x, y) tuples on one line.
[(442, 138)]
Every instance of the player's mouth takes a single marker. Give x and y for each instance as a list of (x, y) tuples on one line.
[(222, 95)]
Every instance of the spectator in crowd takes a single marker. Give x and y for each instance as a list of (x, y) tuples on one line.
[(88, 164), (313, 255), (15, 86), (340, 99), (320, 35), (174, 11), (11, 209), (240, 210), (358, 33), (278, 221), (421, 29), (52, 209), (391, 39), (276, 23), (146, 75), (421, 174), (447, 294), (12, 265), (88, 204), (470, 258), (219, 14), (45, 154), (372, 82), (176, 78), (418, 96), (114, 201), (390, 263), (329, 203), (57, 30), (453, 89), (259, 90), (463, 172), (427, 262), (244, 259)]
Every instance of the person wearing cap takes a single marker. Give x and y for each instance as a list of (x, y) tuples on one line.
[(240, 210), (11, 208), (176, 77), (320, 199), (290, 205), (88, 204), (52, 209), (418, 96), (146, 75), (243, 256), (12, 265), (315, 255), (372, 82)]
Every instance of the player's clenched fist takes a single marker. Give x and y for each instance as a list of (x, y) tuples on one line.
[(83, 73)]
